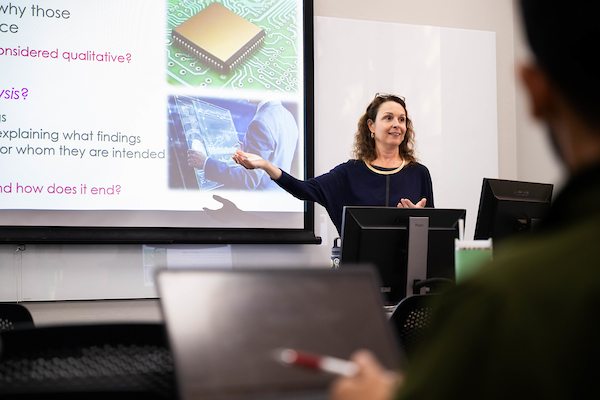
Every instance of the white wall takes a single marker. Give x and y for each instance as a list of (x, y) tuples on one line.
[(116, 272)]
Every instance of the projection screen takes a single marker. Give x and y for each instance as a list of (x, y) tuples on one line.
[(118, 120)]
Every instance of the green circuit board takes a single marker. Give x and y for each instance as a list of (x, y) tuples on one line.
[(275, 65)]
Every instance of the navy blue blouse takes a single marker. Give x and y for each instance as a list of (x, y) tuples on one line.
[(353, 183)]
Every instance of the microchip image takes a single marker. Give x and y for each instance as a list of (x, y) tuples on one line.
[(218, 37)]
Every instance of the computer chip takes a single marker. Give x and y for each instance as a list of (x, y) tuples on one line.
[(218, 37)]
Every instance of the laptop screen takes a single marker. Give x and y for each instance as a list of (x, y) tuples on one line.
[(225, 326)]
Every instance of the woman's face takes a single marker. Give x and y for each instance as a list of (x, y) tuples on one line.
[(389, 126)]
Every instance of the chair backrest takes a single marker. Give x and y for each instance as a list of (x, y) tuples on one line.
[(14, 316), (114, 361), (410, 320)]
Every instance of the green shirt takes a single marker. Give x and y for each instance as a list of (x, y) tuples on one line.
[(528, 325)]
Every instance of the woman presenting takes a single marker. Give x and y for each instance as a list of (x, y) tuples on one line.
[(384, 172)]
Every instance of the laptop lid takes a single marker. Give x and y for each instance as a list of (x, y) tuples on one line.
[(225, 325)]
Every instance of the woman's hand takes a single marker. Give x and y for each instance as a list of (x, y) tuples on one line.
[(252, 161), (247, 160), (372, 382), (406, 203)]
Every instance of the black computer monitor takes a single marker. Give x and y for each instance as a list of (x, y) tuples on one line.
[(510, 207), (404, 244)]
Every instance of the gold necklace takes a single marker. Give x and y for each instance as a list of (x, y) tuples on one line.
[(377, 171)]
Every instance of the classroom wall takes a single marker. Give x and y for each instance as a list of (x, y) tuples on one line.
[(42, 273)]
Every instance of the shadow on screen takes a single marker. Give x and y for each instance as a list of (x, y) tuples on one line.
[(229, 213)]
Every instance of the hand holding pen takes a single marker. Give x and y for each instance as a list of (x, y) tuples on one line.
[(332, 365), (372, 380), (361, 377)]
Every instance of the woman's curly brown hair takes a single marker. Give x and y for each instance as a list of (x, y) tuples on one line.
[(364, 145)]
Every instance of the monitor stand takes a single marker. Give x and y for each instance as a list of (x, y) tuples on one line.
[(418, 241)]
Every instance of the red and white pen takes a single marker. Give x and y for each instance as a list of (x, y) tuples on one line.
[(332, 365)]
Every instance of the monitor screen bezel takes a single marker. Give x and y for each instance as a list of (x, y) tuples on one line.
[(503, 201), (394, 220)]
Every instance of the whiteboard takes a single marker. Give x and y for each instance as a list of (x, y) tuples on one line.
[(448, 77)]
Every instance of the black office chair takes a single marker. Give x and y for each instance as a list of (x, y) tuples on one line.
[(410, 321), (413, 315), (120, 361), (14, 316)]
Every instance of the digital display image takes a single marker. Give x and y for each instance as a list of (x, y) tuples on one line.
[(209, 128), (217, 127)]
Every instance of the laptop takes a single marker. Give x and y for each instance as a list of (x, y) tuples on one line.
[(225, 326)]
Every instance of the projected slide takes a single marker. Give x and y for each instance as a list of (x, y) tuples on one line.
[(102, 101)]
